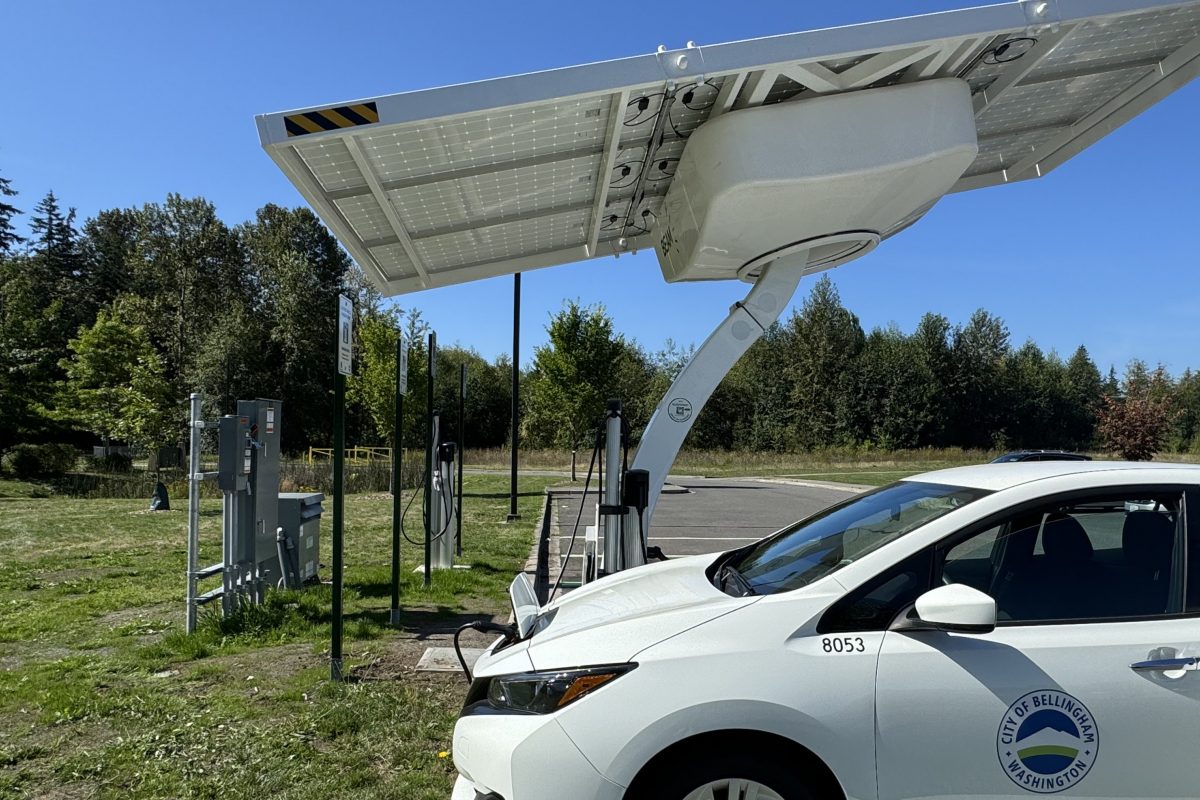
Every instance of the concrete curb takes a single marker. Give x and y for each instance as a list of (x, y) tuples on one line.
[(853, 488), (668, 488)]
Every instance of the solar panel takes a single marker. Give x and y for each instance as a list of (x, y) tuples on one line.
[(448, 185)]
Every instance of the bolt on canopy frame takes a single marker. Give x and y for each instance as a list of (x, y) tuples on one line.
[(455, 184)]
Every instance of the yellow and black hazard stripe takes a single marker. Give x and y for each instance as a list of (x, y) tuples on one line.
[(330, 119)]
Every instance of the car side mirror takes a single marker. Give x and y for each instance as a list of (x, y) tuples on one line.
[(957, 608)]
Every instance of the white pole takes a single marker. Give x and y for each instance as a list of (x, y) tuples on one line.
[(676, 412), (193, 533)]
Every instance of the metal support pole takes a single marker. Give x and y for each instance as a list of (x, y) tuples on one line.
[(397, 470), (228, 523), (673, 418), (513, 516), (194, 478), (339, 457), (431, 443), (462, 449), (614, 556)]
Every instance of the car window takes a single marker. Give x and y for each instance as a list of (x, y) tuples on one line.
[(831, 539), (874, 605), (1108, 556)]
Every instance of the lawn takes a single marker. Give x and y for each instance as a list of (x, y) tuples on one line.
[(840, 465), (102, 695)]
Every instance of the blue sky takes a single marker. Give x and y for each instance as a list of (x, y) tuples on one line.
[(117, 104)]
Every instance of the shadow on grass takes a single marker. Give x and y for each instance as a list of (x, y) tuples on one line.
[(500, 495)]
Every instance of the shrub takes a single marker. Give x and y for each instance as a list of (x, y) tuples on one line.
[(114, 462), (27, 461)]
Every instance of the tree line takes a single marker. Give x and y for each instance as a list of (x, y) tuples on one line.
[(818, 380), (107, 326)]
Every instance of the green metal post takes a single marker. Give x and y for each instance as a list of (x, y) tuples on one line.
[(339, 456)]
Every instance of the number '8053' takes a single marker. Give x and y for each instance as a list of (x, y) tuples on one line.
[(843, 644)]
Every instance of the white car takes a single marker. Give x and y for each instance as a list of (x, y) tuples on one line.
[(996, 631)]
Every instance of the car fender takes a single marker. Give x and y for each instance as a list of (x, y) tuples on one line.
[(710, 717)]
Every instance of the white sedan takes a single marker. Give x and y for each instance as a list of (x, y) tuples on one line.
[(997, 631)]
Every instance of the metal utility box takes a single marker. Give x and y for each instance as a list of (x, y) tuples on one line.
[(260, 516), (234, 455), (300, 517)]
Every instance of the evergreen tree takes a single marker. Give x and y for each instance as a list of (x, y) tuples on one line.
[(298, 270), (1082, 391), (977, 392), (38, 314), (825, 340), (107, 246), (931, 343), (896, 390), (8, 234), (1185, 432), (1031, 386)]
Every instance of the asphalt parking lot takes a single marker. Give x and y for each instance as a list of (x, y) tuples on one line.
[(703, 515)]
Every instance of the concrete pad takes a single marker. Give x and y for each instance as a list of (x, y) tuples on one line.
[(443, 659)]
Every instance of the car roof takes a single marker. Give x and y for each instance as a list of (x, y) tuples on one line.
[(994, 477)]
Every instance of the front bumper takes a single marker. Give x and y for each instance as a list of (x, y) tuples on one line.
[(523, 757), (463, 790)]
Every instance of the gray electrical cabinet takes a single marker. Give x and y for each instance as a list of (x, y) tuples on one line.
[(260, 516), (300, 518)]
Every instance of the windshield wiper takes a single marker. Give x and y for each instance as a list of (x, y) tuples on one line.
[(728, 575)]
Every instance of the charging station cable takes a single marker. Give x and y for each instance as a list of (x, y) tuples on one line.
[(582, 502), (509, 632)]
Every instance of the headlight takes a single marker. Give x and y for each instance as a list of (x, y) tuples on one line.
[(545, 692)]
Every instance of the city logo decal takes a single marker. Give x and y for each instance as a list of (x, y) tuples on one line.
[(1047, 742)]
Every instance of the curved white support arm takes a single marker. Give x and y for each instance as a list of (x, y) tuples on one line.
[(676, 412)]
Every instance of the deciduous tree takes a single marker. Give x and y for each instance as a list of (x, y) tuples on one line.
[(1135, 426), (114, 385)]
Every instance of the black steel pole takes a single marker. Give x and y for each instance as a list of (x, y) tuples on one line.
[(339, 455), (430, 447), (397, 469), (462, 450), (516, 395)]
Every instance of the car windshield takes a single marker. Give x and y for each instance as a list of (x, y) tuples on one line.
[(842, 534)]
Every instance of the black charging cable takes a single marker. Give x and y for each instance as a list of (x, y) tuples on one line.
[(578, 517), (509, 632)]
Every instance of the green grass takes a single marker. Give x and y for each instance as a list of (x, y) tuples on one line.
[(862, 465), (102, 695)]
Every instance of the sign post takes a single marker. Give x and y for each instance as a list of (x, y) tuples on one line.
[(397, 467), (345, 358)]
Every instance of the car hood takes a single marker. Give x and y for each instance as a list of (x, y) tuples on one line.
[(614, 618)]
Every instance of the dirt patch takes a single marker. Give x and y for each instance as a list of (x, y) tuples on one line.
[(396, 658), (154, 615), (31, 653), (266, 664)]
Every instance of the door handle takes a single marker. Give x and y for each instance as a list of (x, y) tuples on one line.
[(1166, 664)]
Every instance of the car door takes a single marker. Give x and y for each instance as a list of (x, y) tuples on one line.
[(1086, 687)]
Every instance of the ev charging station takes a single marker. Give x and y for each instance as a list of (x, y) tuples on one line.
[(762, 161), (442, 511)]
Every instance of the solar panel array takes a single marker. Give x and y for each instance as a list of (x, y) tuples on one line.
[(470, 181)]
